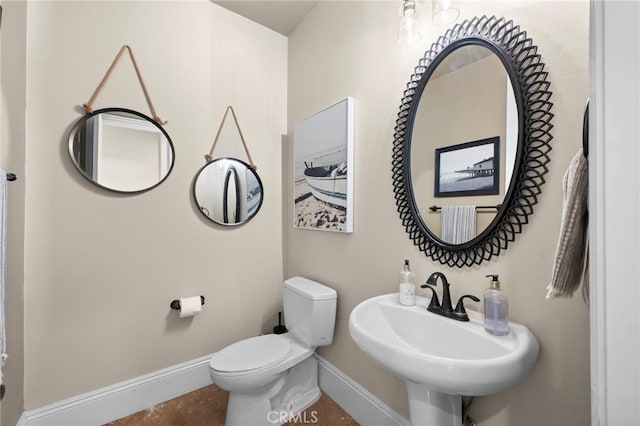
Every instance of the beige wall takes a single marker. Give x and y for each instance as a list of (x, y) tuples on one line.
[(12, 143), (359, 57), (101, 268)]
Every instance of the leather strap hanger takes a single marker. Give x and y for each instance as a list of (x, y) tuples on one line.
[(89, 105), (209, 156)]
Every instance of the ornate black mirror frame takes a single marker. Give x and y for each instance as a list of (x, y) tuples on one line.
[(525, 68)]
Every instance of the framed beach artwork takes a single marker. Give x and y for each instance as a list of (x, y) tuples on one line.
[(323, 169), (471, 168)]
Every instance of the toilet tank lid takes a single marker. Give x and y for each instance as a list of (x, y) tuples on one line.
[(310, 289)]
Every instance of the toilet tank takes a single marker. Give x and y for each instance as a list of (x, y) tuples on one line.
[(309, 311)]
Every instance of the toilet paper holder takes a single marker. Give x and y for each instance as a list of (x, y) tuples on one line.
[(175, 304)]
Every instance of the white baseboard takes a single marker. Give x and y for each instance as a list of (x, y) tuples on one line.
[(365, 408), (122, 399)]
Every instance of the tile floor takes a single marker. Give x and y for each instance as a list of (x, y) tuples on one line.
[(208, 406)]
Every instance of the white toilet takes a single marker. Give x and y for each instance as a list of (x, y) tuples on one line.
[(273, 377)]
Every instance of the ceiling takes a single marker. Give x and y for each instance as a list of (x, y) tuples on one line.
[(280, 16)]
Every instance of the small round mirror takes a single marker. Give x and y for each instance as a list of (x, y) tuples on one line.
[(228, 191), (121, 150)]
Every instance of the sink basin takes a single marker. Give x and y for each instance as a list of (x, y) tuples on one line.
[(440, 358)]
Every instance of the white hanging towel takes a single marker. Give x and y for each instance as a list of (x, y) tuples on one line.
[(458, 224), (3, 244), (571, 262)]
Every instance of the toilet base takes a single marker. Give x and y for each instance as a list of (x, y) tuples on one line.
[(294, 392), (299, 392)]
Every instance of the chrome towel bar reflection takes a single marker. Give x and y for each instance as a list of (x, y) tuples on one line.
[(497, 206), (175, 304)]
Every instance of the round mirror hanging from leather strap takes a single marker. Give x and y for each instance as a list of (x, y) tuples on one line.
[(226, 190), (121, 150)]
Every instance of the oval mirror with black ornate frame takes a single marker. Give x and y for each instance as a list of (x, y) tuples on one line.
[(121, 150), (228, 191), (473, 131)]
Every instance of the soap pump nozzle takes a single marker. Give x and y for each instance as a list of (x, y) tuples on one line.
[(495, 283)]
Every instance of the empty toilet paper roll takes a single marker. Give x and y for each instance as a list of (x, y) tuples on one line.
[(190, 306)]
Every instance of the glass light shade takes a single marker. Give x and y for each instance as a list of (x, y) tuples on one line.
[(444, 12), (408, 23)]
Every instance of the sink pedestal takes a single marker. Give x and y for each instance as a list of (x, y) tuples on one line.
[(430, 408), (432, 352)]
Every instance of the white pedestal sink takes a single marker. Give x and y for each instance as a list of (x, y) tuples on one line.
[(441, 359)]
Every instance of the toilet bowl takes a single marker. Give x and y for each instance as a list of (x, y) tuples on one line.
[(273, 377)]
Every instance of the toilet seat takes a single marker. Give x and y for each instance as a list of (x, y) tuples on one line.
[(251, 354)]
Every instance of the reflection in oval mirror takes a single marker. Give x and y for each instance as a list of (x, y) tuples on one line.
[(228, 191), (463, 113), (464, 141), (121, 150)]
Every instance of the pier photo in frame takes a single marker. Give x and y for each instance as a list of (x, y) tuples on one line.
[(471, 168), (323, 169)]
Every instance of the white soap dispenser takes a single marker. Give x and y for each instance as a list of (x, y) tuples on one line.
[(407, 287), (496, 309)]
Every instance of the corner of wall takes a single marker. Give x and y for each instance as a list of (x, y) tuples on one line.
[(12, 136)]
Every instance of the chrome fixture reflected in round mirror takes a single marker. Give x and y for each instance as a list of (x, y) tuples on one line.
[(121, 150), (228, 191), (473, 130)]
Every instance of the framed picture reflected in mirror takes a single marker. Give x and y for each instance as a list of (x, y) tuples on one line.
[(466, 169)]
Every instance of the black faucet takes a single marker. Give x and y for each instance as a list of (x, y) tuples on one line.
[(445, 309), (446, 295)]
